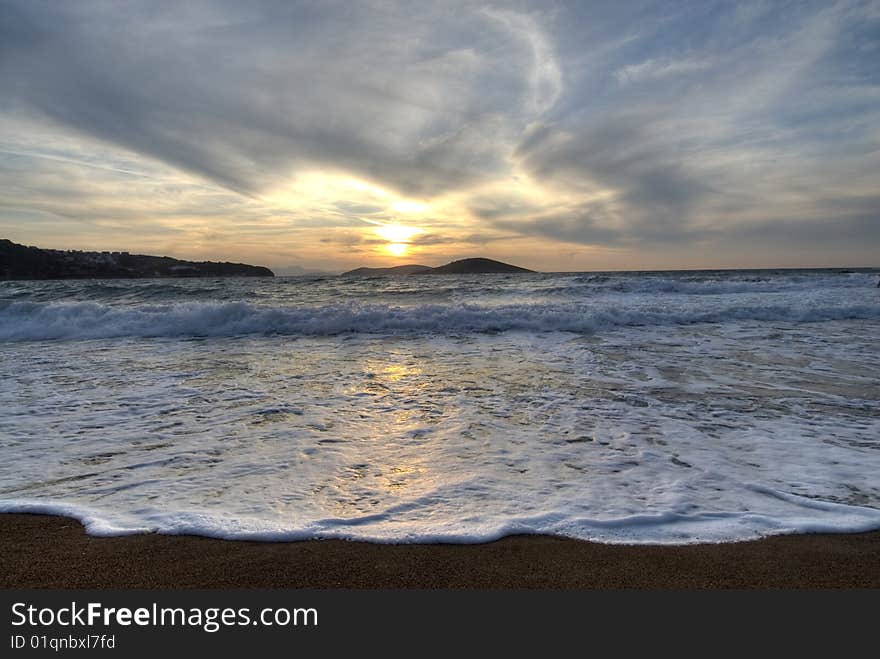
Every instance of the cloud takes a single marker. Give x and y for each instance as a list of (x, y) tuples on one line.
[(750, 129), (420, 98), (648, 191), (654, 69), (545, 77)]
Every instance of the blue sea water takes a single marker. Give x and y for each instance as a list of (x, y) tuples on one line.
[(658, 407)]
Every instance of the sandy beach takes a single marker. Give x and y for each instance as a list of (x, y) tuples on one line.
[(54, 552)]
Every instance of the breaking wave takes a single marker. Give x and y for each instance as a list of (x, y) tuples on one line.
[(22, 321)]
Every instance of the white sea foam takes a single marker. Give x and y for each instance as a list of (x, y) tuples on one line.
[(670, 527)]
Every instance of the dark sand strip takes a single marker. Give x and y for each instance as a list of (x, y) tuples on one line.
[(38, 551)]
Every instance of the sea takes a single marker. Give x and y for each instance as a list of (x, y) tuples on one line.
[(619, 407)]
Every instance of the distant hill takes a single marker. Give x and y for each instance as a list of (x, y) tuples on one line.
[(21, 262), (476, 266), (387, 272)]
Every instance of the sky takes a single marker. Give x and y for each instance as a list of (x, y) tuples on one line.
[(559, 136)]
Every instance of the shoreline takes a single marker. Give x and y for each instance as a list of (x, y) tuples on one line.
[(46, 551)]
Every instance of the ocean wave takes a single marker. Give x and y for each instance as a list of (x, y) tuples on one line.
[(91, 320), (721, 284)]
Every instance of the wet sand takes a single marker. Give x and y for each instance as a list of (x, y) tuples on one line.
[(39, 551)]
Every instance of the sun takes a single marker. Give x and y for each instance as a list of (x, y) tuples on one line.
[(398, 236), (396, 233)]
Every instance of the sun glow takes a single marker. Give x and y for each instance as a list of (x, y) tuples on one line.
[(407, 206), (396, 233), (398, 236), (339, 202)]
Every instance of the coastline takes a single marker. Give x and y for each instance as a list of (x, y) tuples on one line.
[(44, 551)]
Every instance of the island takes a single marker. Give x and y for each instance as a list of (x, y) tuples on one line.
[(22, 262), (387, 272), (475, 266)]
